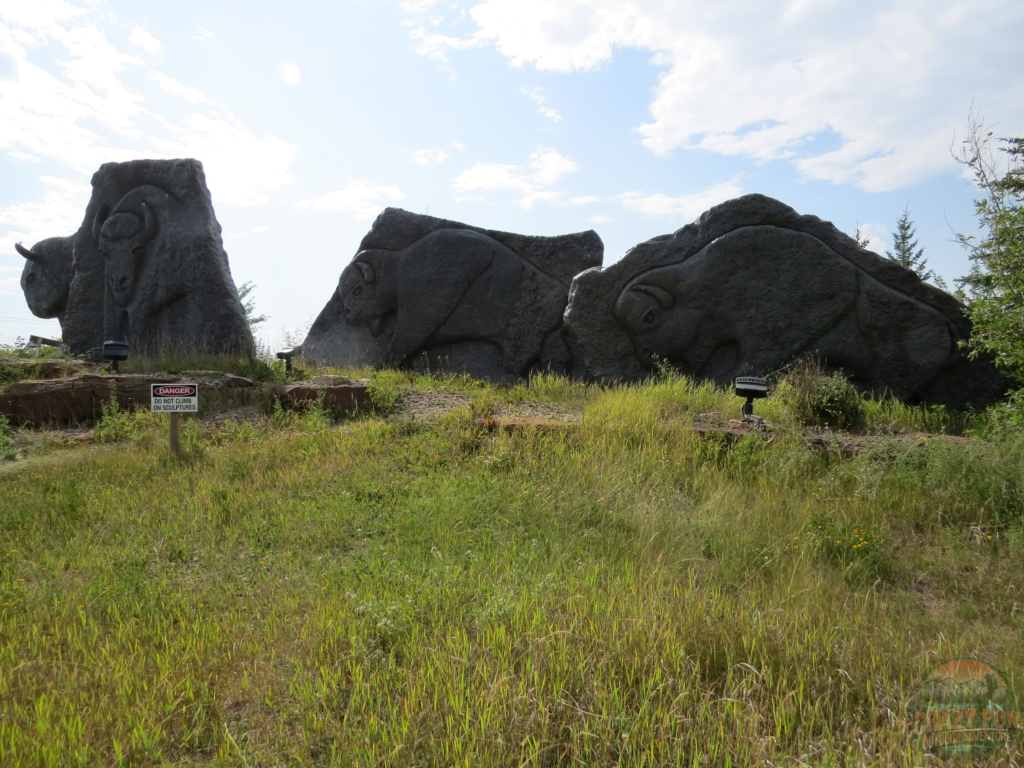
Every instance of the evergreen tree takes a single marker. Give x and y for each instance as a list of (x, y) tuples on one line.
[(995, 283), (906, 252), (861, 236)]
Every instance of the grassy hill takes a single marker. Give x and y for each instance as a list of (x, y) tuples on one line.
[(403, 587)]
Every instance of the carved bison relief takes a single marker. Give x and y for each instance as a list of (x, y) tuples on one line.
[(123, 238), (453, 285), (752, 286), (761, 297)]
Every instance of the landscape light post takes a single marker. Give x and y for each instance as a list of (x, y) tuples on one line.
[(750, 387), (287, 354), (115, 352)]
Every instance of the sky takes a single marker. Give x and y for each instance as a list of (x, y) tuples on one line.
[(535, 116)]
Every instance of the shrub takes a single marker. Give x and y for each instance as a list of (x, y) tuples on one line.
[(1004, 419), (7, 451), (117, 424), (383, 395), (817, 397)]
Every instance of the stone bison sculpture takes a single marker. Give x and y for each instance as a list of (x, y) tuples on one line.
[(46, 278), (751, 287), (453, 285), (147, 266), (425, 290)]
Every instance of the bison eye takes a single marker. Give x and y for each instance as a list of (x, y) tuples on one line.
[(357, 290), (650, 316), (30, 278), (139, 250)]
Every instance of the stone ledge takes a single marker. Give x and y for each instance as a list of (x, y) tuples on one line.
[(338, 392)]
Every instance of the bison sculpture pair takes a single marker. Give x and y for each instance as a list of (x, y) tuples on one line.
[(748, 289)]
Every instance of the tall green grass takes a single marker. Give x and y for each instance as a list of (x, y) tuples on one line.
[(622, 592)]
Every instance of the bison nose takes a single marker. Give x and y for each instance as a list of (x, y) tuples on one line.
[(122, 282), (348, 312)]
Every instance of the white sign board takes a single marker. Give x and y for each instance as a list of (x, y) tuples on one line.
[(174, 398)]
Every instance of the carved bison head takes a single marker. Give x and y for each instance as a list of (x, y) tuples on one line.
[(367, 289), (123, 238), (46, 279), (657, 324)]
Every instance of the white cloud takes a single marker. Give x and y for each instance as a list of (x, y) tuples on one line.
[(83, 115), (202, 35), (879, 82), (545, 168), (877, 235), (175, 88), (436, 46), (290, 73), (458, 145), (23, 157), (251, 231), (59, 212), (145, 40), (227, 149), (539, 99), (10, 286), (417, 6), (428, 156), (40, 14), (585, 200), (687, 207), (601, 219), (356, 198)]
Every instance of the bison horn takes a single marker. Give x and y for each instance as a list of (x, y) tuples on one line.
[(26, 252), (367, 270), (150, 219), (660, 295)]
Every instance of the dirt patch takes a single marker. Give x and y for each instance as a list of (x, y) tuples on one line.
[(539, 411), (249, 414), (427, 406)]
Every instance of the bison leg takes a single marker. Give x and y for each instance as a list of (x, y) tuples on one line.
[(538, 313)]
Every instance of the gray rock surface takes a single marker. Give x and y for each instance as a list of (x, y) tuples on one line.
[(752, 286), (147, 266), (430, 293)]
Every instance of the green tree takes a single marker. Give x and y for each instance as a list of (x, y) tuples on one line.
[(995, 284), (249, 304), (861, 236), (907, 253)]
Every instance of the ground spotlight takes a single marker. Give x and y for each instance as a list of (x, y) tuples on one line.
[(750, 387), (115, 352)]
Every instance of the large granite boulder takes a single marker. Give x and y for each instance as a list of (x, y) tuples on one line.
[(752, 286), (147, 266), (430, 293)]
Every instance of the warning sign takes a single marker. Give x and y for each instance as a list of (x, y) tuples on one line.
[(174, 398)]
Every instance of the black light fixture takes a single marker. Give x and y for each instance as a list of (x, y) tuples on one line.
[(287, 354), (750, 387), (115, 352)]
